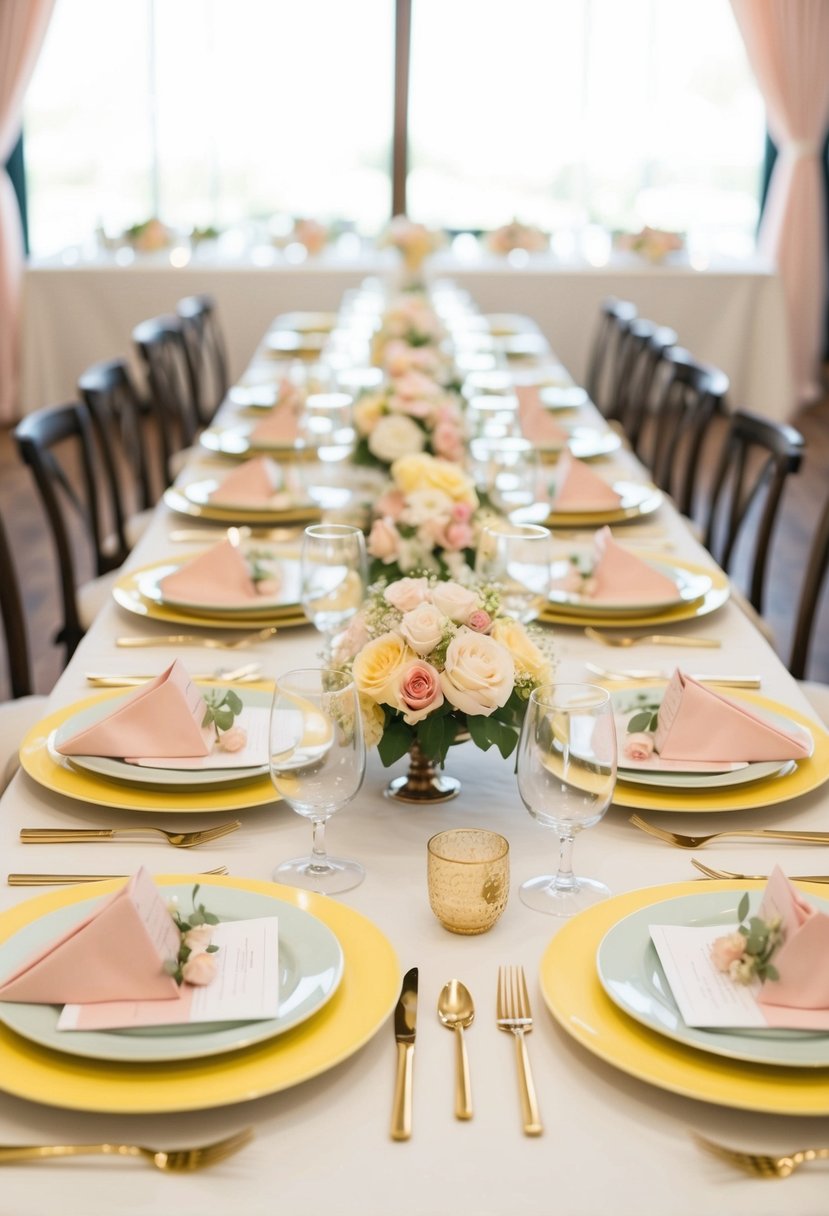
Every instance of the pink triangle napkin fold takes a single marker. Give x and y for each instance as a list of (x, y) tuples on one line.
[(218, 576), (280, 426), (800, 996), (255, 481), (578, 488), (697, 723), (536, 423), (117, 953), (164, 718), (620, 576)]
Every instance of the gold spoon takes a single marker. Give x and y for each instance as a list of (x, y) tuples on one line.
[(456, 1010)]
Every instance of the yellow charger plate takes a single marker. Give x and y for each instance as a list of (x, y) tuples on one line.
[(638, 499), (574, 995), (808, 774), (714, 598), (119, 795), (182, 505), (127, 594), (365, 998)]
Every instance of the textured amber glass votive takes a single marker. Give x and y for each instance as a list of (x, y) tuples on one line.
[(468, 878)]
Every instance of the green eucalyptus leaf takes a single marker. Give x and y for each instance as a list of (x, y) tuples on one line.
[(640, 721), (742, 907)]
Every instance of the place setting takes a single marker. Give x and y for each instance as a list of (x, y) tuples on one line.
[(257, 493), (577, 497)]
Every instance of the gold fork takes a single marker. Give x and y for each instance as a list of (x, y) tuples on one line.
[(181, 840), (696, 842), (763, 1165), (191, 639), (173, 1161), (710, 873), (514, 1015), (655, 639), (64, 880)]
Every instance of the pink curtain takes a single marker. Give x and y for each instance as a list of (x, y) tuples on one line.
[(788, 48), (23, 24)]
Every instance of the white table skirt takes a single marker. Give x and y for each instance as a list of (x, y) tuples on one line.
[(731, 316), (611, 1143)]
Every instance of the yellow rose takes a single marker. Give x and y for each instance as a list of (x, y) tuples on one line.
[(379, 665), (423, 472), (368, 411), (373, 720), (528, 659)]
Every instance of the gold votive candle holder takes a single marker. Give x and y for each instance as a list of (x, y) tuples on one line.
[(468, 878)]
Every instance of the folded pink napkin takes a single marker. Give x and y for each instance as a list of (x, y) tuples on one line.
[(578, 488), (164, 718), (697, 723), (537, 424), (801, 993), (218, 576), (115, 954), (280, 426), (255, 481), (619, 576)]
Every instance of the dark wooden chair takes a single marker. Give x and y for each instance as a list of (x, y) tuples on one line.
[(690, 395), (813, 581), (58, 444), (606, 352), (206, 353), (172, 389), (646, 346), (756, 458)]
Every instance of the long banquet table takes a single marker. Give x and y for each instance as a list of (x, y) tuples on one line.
[(612, 1143)]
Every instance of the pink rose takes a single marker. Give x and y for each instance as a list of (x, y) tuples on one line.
[(639, 746), (419, 691), (199, 937), (727, 950), (391, 504), (434, 531), (459, 536), (267, 586), (462, 512), (480, 621), (383, 540), (233, 740), (407, 593), (447, 441), (414, 384), (199, 969)]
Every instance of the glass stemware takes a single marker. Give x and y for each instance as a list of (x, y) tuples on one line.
[(317, 762), (333, 577), (566, 777), (507, 470), (519, 558)]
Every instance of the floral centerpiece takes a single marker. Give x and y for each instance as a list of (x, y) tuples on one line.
[(434, 662), (310, 233), (426, 522), (409, 414), (414, 242), (652, 243), (149, 236), (516, 235), (409, 320)]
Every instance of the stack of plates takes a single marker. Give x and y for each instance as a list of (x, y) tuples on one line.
[(622, 1010), (339, 979), (235, 440), (636, 498), (585, 443)]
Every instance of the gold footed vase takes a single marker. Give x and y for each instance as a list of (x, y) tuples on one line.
[(423, 783)]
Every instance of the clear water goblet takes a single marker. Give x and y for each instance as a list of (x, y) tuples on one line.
[(317, 763), (333, 577), (518, 557), (566, 777)]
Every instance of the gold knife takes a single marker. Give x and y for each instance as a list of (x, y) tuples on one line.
[(54, 880), (405, 1022)]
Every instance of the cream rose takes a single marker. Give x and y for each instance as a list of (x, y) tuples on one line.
[(528, 659), (423, 627), (199, 969), (383, 541), (479, 674), (455, 601), (394, 436), (374, 720), (377, 667), (421, 472), (367, 412), (638, 745), (199, 937), (426, 504), (407, 593)]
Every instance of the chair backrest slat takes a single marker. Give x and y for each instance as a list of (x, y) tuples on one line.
[(206, 353), (14, 622), (817, 565)]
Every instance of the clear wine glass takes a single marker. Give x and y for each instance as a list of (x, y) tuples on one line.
[(566, 777), (519, 558), (507, 470), (317, 762), (333, 577)]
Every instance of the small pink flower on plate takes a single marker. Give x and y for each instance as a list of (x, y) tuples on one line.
[(639, 746), (727, 950), (199, 969), (233, 740)]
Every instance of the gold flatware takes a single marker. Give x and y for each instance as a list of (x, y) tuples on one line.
[(653, 639), (245, 674), (405, 1027), (172, 1160), (514, 1016), (641, 674), (191, 639), (696, 842), (763, 1165), (456, 1010), (63, 880), (180, 840), (711, 873)]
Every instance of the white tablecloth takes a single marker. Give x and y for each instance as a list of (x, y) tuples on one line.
[(732, 315), (611, 1144)]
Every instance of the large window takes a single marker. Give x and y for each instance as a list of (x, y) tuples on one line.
[(242, 113)]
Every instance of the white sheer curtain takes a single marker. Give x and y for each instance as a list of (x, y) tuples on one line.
[(788, 48), (23, 24)]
